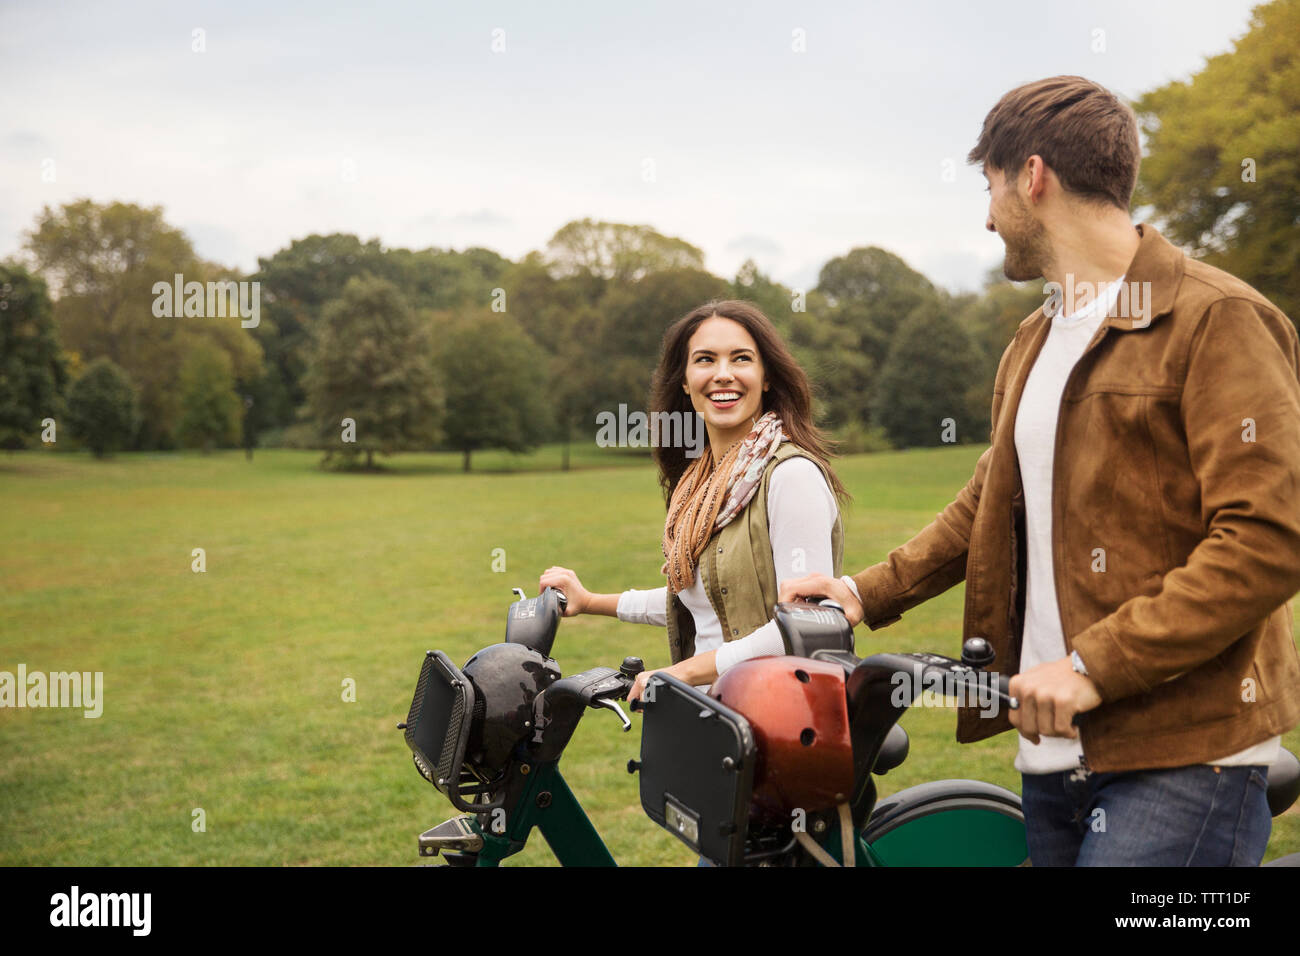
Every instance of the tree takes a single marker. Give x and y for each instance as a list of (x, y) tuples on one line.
[(103, 262), (772, 298), (838, 370), (102, 407), (445, 279), (1223, 163), (372, 364), (868, 292), (637, 314), (210, 408), (602, 352), (871, 291), (626, 337), (557, 316), (841, 371), (495, 381), (990, 321), (33, 370), (921, 392), (300, 280), (616, 251)]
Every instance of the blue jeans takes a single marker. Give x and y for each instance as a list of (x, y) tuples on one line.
[(1186, 816)]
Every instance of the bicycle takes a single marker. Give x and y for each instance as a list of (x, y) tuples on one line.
[(490, 737)]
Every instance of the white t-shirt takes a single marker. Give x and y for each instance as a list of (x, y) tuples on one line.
[(1035, 437), (801, 513)]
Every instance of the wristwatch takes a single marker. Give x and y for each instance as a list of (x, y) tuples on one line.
[(1077, 663)]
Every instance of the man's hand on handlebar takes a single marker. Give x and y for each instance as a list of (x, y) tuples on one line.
[(1050, 696), (819, 585), (566, 582)]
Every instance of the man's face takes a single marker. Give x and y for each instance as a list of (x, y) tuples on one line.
[(1028, 250)]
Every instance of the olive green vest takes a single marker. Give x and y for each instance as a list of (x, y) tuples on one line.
[(738, 572)]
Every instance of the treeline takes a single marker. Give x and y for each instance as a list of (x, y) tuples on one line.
[(359, 349)]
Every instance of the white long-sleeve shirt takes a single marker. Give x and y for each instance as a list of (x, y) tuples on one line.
[(801, 512)]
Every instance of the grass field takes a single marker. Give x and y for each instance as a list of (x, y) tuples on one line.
[(223, 690)]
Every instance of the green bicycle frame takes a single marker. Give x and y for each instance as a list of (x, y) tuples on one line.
[(952, 836), (547, 803)]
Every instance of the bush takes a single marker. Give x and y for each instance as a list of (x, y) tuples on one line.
[(102, 408), (857, 439), (301, 436), (210, 407)]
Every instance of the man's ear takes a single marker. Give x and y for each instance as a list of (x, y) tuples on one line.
[(1034, 176)]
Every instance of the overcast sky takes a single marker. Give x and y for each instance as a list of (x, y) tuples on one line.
[(401, 121)]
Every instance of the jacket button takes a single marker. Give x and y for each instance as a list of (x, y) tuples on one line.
[(719, 550), (724, 590), (734, 631)]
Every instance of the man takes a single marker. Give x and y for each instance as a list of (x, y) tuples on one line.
[(1131, 539)]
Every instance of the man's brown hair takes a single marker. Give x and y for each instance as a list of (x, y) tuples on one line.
[(1083, 132)]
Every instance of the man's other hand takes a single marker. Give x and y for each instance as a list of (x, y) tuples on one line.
[(819, 585)]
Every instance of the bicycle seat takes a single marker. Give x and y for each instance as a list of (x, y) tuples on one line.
[(807, 628), (1283, 782), (533, 622)]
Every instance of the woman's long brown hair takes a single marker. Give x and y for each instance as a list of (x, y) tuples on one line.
[(789, 394)]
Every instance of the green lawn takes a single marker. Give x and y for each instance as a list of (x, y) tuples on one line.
[(223, 690)]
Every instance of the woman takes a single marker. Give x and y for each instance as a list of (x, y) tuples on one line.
[(759, 505)]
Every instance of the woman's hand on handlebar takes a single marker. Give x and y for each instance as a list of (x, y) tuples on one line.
[(564, 580), (697, 670), (638, 685), (819, 585)]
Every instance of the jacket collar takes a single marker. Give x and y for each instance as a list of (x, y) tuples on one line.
[(1153, 278), (1151, 281)]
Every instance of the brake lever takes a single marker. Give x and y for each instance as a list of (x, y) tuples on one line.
[(613, 705), (969, 675)]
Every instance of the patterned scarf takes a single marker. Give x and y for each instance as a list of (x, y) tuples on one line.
[(707, 498)]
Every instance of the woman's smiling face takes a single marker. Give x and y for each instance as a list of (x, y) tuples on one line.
[(725, 378)]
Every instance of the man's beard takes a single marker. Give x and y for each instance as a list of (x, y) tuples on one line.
[(1028, 251)]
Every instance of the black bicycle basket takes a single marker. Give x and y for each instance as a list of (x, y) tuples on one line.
[(698, 758), (438, 728)]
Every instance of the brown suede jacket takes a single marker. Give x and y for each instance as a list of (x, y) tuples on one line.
[(1178, 455)]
